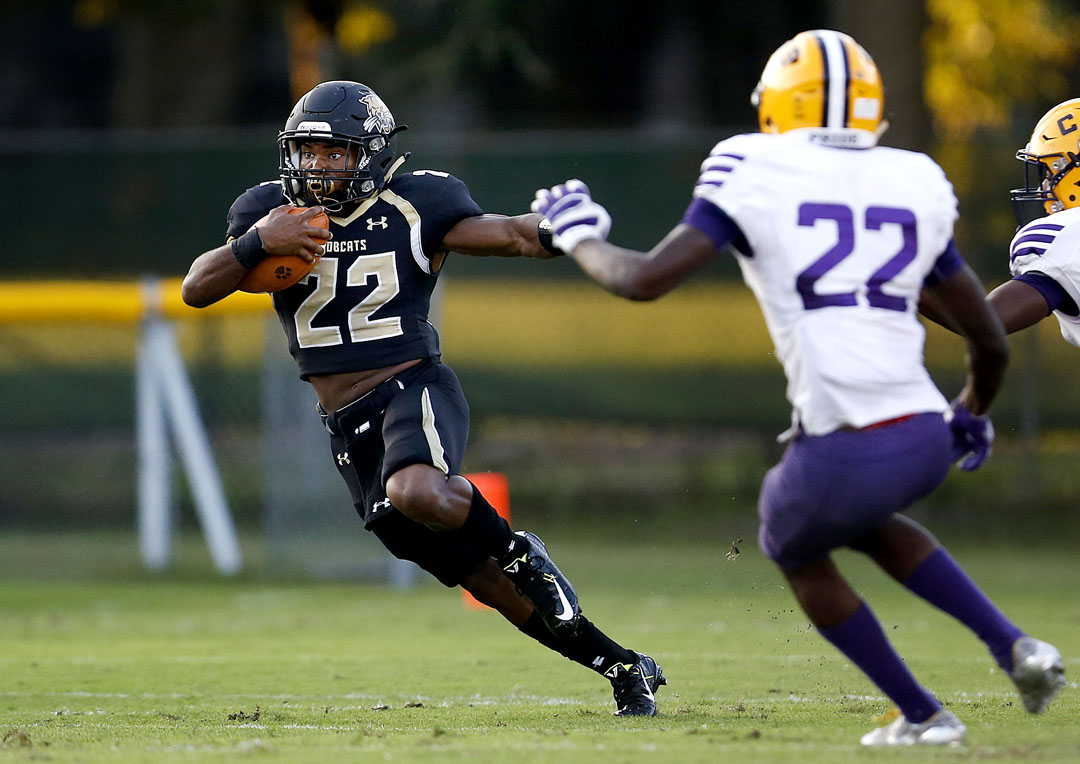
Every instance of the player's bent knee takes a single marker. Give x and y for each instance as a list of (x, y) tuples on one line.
[(419, 494)]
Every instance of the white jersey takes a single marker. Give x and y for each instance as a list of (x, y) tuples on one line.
[(841, 241), (1051, 246)]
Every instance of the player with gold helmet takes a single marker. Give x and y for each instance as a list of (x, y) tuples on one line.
[(1044, 255), (820, 79), (840, 239)]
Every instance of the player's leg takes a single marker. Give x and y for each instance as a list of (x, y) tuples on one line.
[(909, 553), (826, 491), (846, 621), (634, 677), (454, 560), (588, 645), (425, 429)]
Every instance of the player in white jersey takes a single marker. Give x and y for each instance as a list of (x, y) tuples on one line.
[(839, 239), (1044, 256)]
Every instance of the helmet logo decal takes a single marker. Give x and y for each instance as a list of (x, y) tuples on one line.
[(379, 119), (1061, 124)]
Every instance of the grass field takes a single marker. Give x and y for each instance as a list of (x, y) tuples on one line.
[(100, 662)]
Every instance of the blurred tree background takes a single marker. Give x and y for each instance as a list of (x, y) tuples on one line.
[(965, 80), (129, 127)]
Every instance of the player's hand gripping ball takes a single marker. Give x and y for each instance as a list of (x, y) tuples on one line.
[(573, 214), (276, 272)]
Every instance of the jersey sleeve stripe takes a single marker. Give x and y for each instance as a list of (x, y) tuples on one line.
[(711, 178), (716, 167), (1045, 238), (1044, 227), (1027, 251)]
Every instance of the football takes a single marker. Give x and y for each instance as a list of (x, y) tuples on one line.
[(277, 272)]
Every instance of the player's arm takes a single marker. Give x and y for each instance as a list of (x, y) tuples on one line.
[(1021, 303), (215, 274), (645, 276), (1018, 303), (961, 302), (580, 227), (499, 235)]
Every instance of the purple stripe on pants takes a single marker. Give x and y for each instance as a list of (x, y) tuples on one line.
[(830, 490)]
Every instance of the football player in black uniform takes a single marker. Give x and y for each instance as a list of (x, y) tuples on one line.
[(358, 328)]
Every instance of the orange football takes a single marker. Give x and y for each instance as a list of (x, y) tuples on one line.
[(277, 272)]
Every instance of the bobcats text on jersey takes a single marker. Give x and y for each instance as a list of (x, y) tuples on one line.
[(365, 304)]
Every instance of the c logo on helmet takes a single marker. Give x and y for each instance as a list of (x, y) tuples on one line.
[(1061, 124)]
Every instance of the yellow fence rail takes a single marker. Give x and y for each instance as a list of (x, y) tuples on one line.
[(116, 302)]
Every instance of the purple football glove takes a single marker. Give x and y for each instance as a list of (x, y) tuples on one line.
[(972, 436), (573, 214)]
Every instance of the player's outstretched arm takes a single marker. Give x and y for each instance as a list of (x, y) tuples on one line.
[(961, 302), (580, 227), (215, 274), (1017, 304), (500, 236), (646, 275)]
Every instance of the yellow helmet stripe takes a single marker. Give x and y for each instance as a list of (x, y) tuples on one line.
[(837, 78)]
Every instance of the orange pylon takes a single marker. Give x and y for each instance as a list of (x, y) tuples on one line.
[(496, 489)]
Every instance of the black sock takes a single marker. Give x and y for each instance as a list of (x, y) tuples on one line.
[(588, 646), (485, 528)]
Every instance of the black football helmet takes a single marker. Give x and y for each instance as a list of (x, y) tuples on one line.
[(340, 112)]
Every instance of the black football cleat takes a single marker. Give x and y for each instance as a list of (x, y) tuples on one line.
[(528, 565), (635, 686)]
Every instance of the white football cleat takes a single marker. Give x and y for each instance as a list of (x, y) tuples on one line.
[(1038, 673), (943, 728)]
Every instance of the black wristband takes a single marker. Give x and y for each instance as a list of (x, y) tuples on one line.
[(543, 233), (248, 249)]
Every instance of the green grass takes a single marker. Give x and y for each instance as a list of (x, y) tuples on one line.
[(101, 662)]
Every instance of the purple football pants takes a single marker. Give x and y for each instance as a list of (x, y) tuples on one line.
[(830, 490)]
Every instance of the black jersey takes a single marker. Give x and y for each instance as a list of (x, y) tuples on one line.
[(365, 304)]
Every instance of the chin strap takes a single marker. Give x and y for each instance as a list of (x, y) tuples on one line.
[(397, 163)]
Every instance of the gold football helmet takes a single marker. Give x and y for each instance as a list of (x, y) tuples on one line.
[(1051, 164), (820, 78)]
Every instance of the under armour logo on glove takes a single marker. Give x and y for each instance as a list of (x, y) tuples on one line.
[(972, 436), (573, 214)]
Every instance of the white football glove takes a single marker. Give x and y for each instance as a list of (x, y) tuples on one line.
[(573, 214)]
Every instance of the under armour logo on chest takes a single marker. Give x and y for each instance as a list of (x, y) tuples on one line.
[(381, 223), (343, 458), (384, 504)]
